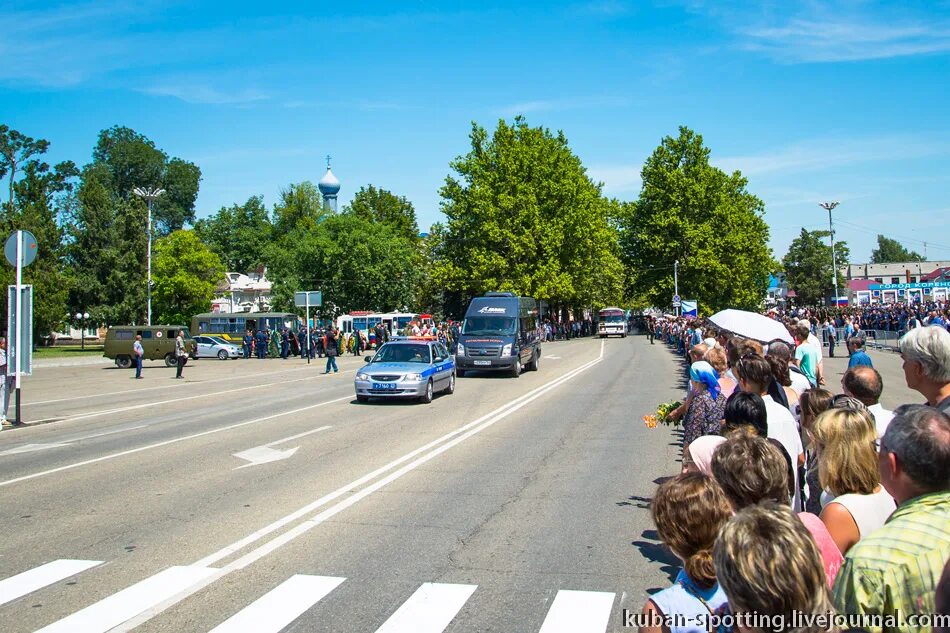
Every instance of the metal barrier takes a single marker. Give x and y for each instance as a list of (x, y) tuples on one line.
[(874, 339)]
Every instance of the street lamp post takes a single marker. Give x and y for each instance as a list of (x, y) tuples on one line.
[(676, 282), (149, 194), (828, 206), (82, 317)]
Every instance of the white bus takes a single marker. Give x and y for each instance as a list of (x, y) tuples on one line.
[(612, 322)]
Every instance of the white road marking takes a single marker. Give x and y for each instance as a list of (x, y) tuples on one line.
[(442, 444), (264, 454), (176, 386), (29, 581), (119, 607), (579, 612), (141, 449), (32, 448), (553, 357), (429, 609), (279, 607)]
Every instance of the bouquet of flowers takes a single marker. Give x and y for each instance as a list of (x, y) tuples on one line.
[(662, 415)]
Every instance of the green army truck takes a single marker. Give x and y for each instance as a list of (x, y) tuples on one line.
[(157, 340)]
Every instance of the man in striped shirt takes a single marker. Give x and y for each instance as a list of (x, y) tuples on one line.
[(893, 572)]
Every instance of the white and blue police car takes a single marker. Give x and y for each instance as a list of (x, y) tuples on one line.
[(409, 367)]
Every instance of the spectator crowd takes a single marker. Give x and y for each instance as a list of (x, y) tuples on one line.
[(801, 505)]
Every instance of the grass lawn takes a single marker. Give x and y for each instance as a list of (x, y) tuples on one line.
[(67, 351)]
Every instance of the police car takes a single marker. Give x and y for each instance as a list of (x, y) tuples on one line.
[(410, 367)]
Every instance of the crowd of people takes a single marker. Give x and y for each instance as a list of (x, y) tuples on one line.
[(801, 497), (890, 317)]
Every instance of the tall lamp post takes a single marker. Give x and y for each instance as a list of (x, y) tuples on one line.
[(82, 317), (676, 282), (150, 195), (828, 206)]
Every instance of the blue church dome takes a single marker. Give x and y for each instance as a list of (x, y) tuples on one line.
[(329, 185)]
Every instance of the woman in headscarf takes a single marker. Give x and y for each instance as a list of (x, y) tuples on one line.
[(707, 406), (698, 455)]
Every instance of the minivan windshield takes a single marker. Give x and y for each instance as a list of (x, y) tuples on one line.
[(491, 325)]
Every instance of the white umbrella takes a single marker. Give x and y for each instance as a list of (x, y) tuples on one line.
[(751, 325)]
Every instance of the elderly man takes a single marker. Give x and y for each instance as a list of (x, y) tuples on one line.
[(865, 385), (893, 572), (926, 355)]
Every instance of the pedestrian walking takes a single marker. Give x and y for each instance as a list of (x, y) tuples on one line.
[(7, 384), (332, 350), (181, 356), (138, 351)]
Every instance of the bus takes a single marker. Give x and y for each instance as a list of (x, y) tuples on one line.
[(612, 322), (231, 326)]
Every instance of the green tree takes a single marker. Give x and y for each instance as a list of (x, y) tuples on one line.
[(42, 196), (238, 234), (808, 266), (693, 212), (891, 251), (523, 216), (186, 275), (379, 206), (300, 208), (133, 161), (15, 150), (357, 265)]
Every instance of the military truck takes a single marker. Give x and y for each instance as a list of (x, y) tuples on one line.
[(157, 340)]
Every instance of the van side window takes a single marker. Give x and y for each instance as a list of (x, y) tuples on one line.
[(146, 334), (171, 334), (123, 335)]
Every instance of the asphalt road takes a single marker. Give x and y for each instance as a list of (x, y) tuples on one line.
[(259, 496)]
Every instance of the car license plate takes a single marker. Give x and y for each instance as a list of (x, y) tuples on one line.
[(384, 385), (483, 362)]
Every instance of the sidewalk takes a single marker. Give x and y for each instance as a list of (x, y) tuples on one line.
[(75, 362)]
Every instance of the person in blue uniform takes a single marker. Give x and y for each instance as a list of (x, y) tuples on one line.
[(261, 344), (248, 342), (284, 343)]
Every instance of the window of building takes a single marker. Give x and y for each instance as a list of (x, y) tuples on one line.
[(895, 280), (879, 280)]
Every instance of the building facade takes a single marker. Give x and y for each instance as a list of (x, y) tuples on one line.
[(897, 282), (240, 292)]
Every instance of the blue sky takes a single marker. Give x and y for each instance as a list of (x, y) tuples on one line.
[(813, 101)]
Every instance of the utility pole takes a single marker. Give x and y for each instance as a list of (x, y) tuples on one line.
[(828, 206), (149, 195), (676, 282)]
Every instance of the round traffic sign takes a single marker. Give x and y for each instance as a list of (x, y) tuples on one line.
[(676, 298), (29, 248)]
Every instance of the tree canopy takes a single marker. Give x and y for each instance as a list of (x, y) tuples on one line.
[(706, 219), (238, 234), (523, 216), (378, 206), (186, 275), (808, 266), (890, 251)]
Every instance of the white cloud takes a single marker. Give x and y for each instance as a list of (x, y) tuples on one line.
[(617, 178), (565, 103), (819, 154), (204, 94)]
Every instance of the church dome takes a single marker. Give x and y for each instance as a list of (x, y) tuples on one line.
[(329, 185)]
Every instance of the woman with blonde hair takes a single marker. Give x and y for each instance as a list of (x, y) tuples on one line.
[(716, 357), (854, 503), (688, 512), (770, 569), (812, 403)]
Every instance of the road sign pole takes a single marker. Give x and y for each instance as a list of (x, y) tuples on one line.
[(307, 327), (19, 320)]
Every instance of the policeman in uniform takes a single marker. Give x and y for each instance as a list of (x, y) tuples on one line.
[(261, 344), (248, 341), (284, 343)]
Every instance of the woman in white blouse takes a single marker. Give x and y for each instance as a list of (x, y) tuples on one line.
[(854, 502)]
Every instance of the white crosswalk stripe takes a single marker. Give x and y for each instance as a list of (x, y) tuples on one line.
[(429, 609), (42, 576), (579, 612), (119, 607), (279, 607)]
